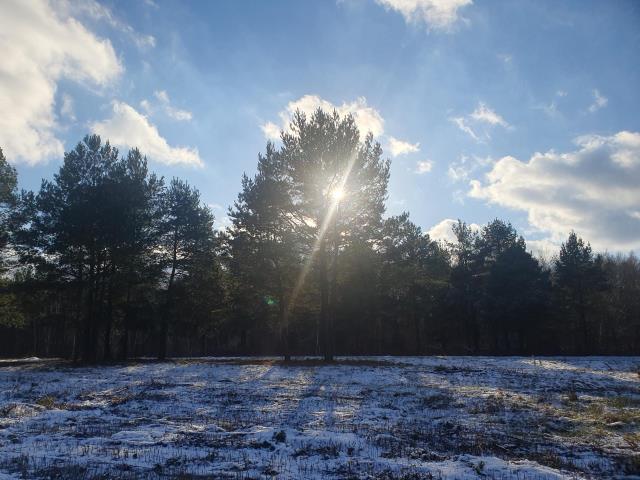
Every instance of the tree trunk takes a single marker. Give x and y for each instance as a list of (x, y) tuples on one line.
[(109, 319), (164, 326), (36, 346), (416, 329), (75, 355), (124, 341), (325, 331), (416, 324), (333, 292), (89, 344), (284, 328), (473, 328), (582, 315), (74, 348), (283, 311)]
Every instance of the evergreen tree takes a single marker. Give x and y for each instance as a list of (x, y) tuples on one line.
[(105, 251), (187, 233), (618, 328), (415, 273), (8, 200), (360, 327), (464, 295), (134, 221), (515, 300), (263, 245), (338, 187), (578, 276), (72, 232)]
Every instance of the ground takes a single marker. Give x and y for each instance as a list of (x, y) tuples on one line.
[(382, 417)]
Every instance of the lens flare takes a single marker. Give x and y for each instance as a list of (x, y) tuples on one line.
[(337, 193)]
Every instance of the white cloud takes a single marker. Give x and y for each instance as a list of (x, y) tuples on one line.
[(100, 12), (599, 101), (436, 14), (146, 106), (400, 147), (483, 113), (551, 109), (171, 111), (67, 109), (175, 113), (461, 123), (462, 168), (443, 230), (592, 190), (423, 167), (222, 220), (129, 128), (481, 119), (544, 248), (271, 130), (458, 196), (179, 115), (367, 118), (161, 95), (38, 47), (457, 172)]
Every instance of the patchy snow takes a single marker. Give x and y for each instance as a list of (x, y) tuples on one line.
[(375, 417), (23, 360)]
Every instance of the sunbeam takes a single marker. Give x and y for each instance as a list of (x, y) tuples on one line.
[(336, 195)]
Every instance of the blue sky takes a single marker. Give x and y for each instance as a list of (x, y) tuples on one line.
[(524, 110)]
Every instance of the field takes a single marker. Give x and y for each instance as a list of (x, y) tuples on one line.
[(382, 417)]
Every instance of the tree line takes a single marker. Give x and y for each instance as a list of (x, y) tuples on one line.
[(109, 261)]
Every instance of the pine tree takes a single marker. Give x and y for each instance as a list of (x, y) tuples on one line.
[(464, 296), (134, 221), (8, 200), (515, 299), (578, 276), (187, 232), (338, 186), (415, 273), (71, 231), (264, 249)]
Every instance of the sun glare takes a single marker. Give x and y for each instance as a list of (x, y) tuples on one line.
[(337, 193)]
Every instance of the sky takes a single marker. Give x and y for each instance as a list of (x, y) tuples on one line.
[(526, 111)]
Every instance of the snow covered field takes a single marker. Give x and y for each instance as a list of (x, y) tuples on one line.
[(389, 418)]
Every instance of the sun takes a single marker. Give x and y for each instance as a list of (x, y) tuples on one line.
[(337, 193)]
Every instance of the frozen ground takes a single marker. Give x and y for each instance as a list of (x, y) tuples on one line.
[(388, 418)]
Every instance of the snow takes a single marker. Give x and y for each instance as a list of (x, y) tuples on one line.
[(374, 417)]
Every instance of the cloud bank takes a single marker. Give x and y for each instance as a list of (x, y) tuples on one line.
[(435, 14), (129, 128), (367, 119), (594, 190), (39, 47), (443, 230)]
